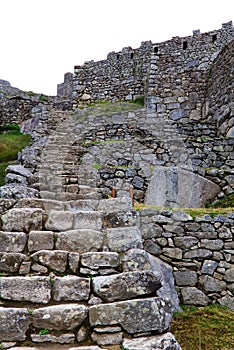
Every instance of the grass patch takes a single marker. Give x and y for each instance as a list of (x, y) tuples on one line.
[(194, 212), (10, 144), (208, 328), (105, 107), (225, 202)]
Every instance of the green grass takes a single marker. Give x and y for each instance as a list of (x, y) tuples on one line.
[(10, 144), (226, 202), (105, 107), (208, 328)]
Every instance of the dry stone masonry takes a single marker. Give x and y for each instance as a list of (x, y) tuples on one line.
[(79, 267)]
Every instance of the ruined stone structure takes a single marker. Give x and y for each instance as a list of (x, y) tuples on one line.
[(79, 267)]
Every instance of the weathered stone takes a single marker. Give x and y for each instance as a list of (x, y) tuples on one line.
[(194, 296), (211, 284), (227, 301), (10, 262), (53, 259), (6, 204), (212, 244), (208, 267), (115, 205), (175, 187), (151, 231), (59, 317), (181, 216), (14, 178), (136, 259), (96, 260), (185, 278), (25, 219), (229, 275), (107, 338), (8, 345), (59, 220), (126, 285), (90, 219), (94, 347), (39, 268), (40, 240), (159, 342), (14, 324), (152, 247), (82, 333), (198, 254), (122, 239), (12, 241), (25, 268), (49, 338), (185, 242), (73, 260), (32, 289), (80, 241), (174, 253), (20, 170), (17, 191), (137, 315), (71, 288)]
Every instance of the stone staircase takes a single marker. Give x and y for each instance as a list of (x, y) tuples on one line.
[(73, 278)]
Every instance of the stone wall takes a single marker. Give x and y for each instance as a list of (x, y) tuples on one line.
[(200, 250), (220, 94), (170, 75)]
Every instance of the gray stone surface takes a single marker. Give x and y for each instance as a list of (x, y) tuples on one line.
[(158, 342), (80, 241), (126, 285), (88, 219), (115, 205), (137, 259), (59, 220), (211, 284), (71, 288), (122, 239), (14, 324), (199, 254), (40, 240), (194, 296), (137, 315), (32, 289), (12, 241), (185, 278), (59, 317), (26, 220), (10, 262), (209, 267), (107, 338), (68, 338), (95, 260), (229, 275), (175, 187), (53, 259)]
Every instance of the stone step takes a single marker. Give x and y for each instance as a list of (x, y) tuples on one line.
[(70, 321)]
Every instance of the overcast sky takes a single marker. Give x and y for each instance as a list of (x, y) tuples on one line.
[(43, 39)]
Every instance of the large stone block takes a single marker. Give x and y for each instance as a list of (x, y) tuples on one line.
[(137, 259), (32, 289), (12, 241), (80, 241), (40, 240), (194, 296), (59, 220), (122, 239), (161, 342), (126, 285), (115, 205), (95, 260), (179, 188), (14, 323), (71, 288), (22, 219), (53, 259), (59, 317), (137, 315), (88, 219)]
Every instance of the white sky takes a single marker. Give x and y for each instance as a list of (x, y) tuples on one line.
[(43, 39)]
